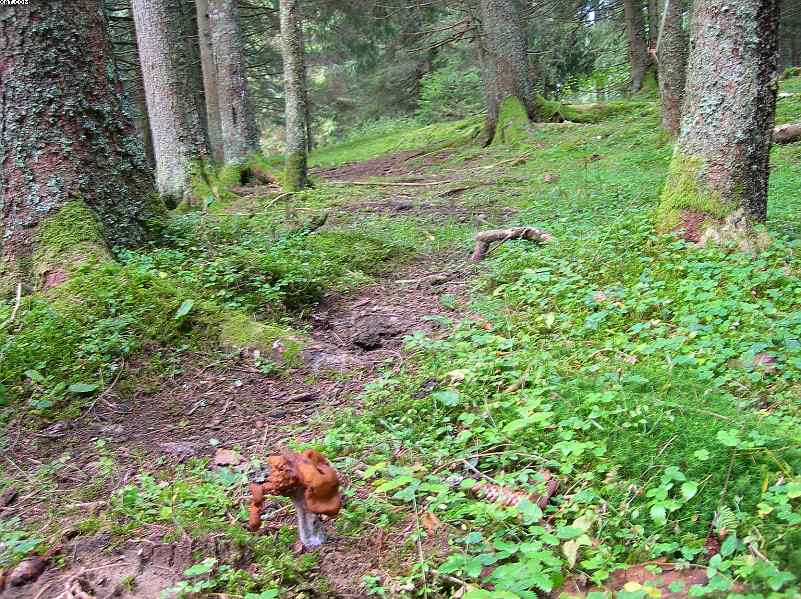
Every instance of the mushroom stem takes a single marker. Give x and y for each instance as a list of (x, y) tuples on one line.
[(310, 527)]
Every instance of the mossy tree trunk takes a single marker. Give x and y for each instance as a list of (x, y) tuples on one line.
[(718, 180), (292, 50), (672, 58), (503, 52), (639, 57), (66, 140), (178, 139), (209, 68), (240, 137)]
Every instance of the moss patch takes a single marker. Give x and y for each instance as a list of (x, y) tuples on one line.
[(684, 191), (239, 331), (295, 176), (69, 237), (512, 124)]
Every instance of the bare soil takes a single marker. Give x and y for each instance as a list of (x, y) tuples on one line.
[(230, 403)]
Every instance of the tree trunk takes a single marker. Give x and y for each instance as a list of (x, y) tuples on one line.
[(74, 176), (718, 180), (191, 40), (654, 19), (672, 57), (209, 69), (178, 140), (503, 52), (639, 58), (295, 92), (239, 134), (141, 119)]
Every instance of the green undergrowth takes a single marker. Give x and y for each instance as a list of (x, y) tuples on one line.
[(387, 137), (192, 290), (657, 381)]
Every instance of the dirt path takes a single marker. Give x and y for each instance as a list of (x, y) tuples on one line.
[(232, 404)]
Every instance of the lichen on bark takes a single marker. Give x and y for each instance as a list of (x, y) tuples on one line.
[(503, 54), (240, 137), (720, 164), (295, 92), (178, 139), (65, 131)]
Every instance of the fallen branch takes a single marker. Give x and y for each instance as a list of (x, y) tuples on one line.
[(458, 190), (787, 134), (390, 183), (14, 311), (486, 238)]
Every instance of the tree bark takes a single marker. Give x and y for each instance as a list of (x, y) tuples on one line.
[(718, 180), (639, 58), (654, 19), (296, 175), (503, 51), (191, 39), (672, 58), (209, 69), (178, 140), (239, 134), (67, 144)]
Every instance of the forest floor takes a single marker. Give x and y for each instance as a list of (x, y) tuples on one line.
[(656, 382)]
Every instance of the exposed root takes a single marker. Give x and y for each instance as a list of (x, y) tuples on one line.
[(787, 134), (486, 238)]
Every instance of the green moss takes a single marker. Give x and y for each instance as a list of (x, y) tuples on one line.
[(600, 111), (790, 72), (239, 331), (69, 237), (548, 111), (684, 190), (650, 86), (295, 172), (512, 126), (229, 175)]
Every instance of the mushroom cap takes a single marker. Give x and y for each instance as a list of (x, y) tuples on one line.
[(307, 473), (282, 479), (320, 482)]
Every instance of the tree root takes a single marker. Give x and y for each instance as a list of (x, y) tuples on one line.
[(486, 238), (787, 134)]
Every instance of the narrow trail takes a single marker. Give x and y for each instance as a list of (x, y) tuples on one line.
[(230, 404)]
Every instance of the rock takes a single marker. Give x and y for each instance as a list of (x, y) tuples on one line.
[(227, 457), (373, 330), (8, 496), (27, 571), (550, 178), (180, 449), (327, 357)]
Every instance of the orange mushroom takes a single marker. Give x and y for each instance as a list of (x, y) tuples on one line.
[(313, 485)]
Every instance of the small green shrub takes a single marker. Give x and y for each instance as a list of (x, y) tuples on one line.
[(448, 94)]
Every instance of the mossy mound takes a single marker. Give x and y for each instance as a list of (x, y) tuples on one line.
[(684, 191), (71, 236), (240, 332), (513, 123)]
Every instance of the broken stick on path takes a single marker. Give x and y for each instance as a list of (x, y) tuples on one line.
[(486, 238)]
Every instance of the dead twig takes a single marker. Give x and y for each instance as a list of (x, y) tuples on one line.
[(391, 183), (10, 320), (486, 238)]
